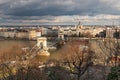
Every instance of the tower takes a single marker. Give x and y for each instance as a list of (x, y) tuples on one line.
[(79, 26), (42, 42)]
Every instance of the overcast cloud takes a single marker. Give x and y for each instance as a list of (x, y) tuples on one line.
[(59, 11)]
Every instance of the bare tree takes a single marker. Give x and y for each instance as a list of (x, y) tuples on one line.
[(78, 62), (111, 49)]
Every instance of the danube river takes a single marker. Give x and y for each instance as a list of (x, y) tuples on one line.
[(11, 48)]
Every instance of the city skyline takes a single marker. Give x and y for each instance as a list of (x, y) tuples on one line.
[(66, 12)]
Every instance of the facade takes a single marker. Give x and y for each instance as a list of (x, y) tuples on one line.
[(22, 35), (32, 35), (70, 31), (79, 31), (112, 33), (8, 34), (43, 31), (38, 34), (96, 31)]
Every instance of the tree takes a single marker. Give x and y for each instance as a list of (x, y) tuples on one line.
[(111, 48), (78, 62), (58, 73), (114, 73)]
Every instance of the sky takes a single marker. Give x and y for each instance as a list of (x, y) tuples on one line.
[(60, 12)]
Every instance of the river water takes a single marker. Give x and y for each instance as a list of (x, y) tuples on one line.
[(7, 44), (10, 47)]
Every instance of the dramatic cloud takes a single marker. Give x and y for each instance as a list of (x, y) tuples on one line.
[(59, 10)]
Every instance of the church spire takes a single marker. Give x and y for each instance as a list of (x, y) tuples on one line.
[(79, 26)]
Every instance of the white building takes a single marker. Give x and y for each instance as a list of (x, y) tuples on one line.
[(70, 31), (9, 34), (112, 32)]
